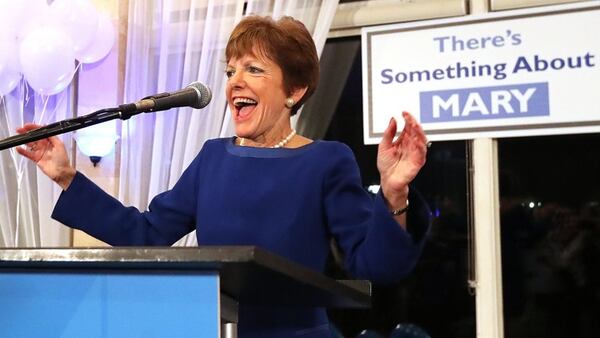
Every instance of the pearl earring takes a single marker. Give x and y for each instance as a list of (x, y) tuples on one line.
[(290, 102)]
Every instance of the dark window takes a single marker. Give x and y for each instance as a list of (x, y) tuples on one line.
[(435, 296), (550, 227)]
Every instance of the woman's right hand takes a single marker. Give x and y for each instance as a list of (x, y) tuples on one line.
[(50, 155)]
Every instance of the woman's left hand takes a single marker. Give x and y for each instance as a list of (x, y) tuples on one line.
[(399, 161)]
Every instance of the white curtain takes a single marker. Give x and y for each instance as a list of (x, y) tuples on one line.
[(171, 44), (27, 196), (316, 15)]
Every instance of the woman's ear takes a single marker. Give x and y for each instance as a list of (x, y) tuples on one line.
[(298, 93)]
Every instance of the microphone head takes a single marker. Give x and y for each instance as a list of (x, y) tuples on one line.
[(204, 94)]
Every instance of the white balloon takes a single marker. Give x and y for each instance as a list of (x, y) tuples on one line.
[(16, 16), (9, 66), (38, 18), (79, 19), (47, 60), (101, 44)]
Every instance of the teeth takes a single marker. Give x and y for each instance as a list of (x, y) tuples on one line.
[(242, 100)]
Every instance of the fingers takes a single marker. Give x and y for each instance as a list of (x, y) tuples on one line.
[(407, 132), (415, 142), (36, 150), (388, 134), (27, 127), (412, 135), (30, 154), (414, 129), (55, 141), (52, 141), (401, 137)]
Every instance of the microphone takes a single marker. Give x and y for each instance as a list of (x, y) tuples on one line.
[(194, 95)]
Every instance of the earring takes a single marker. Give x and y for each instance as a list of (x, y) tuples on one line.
[(290, 102)]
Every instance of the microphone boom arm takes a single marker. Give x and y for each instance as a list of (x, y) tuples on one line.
[(68, 125), (195, 95)]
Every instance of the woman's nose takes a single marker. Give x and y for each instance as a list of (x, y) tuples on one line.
[(236, 80)]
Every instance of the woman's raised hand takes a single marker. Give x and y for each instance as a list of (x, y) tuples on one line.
[(50, 156), (399, 161)]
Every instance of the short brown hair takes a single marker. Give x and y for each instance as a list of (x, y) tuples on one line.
[(287, 42)]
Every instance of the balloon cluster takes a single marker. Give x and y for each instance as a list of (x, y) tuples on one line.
[(41, 42)]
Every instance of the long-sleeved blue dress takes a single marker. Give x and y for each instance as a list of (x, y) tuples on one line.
[(288, 201)]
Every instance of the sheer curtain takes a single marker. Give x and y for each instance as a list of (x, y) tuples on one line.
[(171, 44), (316, 15), (27, 196)]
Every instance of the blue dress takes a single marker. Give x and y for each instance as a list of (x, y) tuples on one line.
[(287, 201)]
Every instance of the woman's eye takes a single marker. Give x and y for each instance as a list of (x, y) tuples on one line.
[(254, 70), (229, 73)]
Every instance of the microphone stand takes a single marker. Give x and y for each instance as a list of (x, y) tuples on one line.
[(122, 112)]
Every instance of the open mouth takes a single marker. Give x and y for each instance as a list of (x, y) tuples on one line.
[(244, 106)]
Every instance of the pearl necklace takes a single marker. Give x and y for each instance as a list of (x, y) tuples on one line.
[(281, 143)]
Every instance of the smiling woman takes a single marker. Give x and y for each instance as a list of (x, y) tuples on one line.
[(258, 101), (273, 69), (286, 43), (291, 200)]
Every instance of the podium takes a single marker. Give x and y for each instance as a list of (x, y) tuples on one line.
[(154, 291)]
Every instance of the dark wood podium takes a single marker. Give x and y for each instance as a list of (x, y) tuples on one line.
[(154, 292)]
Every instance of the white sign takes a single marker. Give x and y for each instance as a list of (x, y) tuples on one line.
[(516, 73)]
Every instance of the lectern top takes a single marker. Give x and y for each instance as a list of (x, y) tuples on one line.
[(247, 273)]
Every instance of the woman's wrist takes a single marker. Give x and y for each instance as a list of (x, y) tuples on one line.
[(64, 179), (396, 200)]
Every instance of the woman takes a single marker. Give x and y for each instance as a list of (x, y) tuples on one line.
[(268, 186)]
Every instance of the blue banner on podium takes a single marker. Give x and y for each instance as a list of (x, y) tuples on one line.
[(109, 305)]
